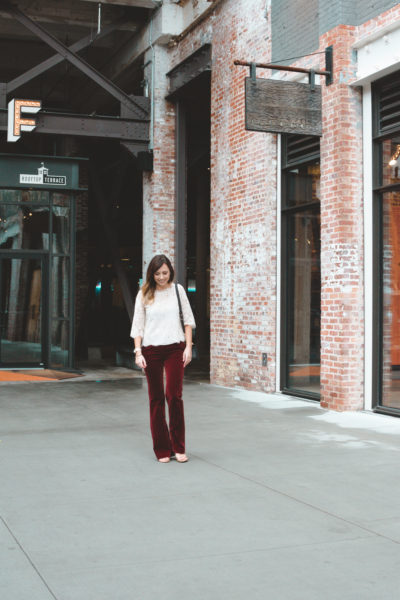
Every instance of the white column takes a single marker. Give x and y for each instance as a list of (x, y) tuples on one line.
[(278, 265), (368, 246)]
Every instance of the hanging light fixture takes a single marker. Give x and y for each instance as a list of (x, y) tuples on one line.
[(395, 156)]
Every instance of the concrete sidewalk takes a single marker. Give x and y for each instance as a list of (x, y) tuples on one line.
[(280, 500)]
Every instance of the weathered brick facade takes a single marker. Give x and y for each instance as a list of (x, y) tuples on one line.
[(244, 243), (342, 329), (243, 199)]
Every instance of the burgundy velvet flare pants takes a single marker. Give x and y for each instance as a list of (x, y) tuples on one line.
[(166, 440)]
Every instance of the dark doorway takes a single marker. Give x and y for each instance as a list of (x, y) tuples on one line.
[(193, 210), (114, 262)]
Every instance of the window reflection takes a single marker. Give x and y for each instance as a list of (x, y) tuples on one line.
[(303, 184), (390, 161), (61, 218), (27, 219), (60, 286), (303, 277), (304, 283), (391, 299), (24, 227), (20, 310), (25, 196), (59, 343)]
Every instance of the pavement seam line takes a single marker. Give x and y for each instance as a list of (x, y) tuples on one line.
[(303, 502), (216, 555), (28, 558)]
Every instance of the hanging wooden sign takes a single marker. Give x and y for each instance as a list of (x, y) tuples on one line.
[(283, 107)]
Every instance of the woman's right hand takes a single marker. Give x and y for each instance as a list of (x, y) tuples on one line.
[(140, 361)]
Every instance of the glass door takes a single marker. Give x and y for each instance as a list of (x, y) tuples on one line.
[(23, 306), (303, 272), (301, 269)]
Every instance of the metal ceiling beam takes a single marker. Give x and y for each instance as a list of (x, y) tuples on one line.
[(133, 3), (71, 13), (127, 54), (136, 133), (57, 58), (76, 60)]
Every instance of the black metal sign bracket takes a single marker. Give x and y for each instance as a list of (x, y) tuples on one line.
[(327, 73)]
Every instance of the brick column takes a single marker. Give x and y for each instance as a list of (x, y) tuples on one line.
[(159, 185), (342, 325)]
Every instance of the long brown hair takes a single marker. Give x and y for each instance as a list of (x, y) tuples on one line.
[(149, 286)]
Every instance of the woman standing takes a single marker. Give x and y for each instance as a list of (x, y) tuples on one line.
[(162, 342)]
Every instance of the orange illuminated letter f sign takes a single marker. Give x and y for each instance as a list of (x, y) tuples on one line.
[(16, 123)]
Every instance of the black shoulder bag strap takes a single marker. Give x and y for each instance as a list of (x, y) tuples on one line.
[(180, 307)]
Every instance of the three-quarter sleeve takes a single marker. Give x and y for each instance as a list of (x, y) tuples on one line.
[(188, 317), (139, 317)]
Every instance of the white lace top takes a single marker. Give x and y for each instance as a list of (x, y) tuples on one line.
[(158, 324)]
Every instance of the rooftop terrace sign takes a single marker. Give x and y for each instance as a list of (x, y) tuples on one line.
[(283, 107), (39, 172)]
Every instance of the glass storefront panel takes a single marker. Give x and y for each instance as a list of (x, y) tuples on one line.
[(37, 208), (21, 306), (59, 343), (389, 155), (390, 299), (24, 227), (304, 300), (61, 229), (25, 196), (302, 185), (60, 285), (27, 220)]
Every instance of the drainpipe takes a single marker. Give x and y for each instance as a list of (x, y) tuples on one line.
[(99, 18), (153, 71)]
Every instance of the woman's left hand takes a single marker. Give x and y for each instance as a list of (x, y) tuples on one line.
[(187, 356)]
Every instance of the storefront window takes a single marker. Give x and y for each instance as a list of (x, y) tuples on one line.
[(301, 272), (21, 309), (390, 301), (304, 312), (303, 185), (389, 154), (59, 343), (35, 277), (386, 182), (24, 227), (61, 229), (60, 286)]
